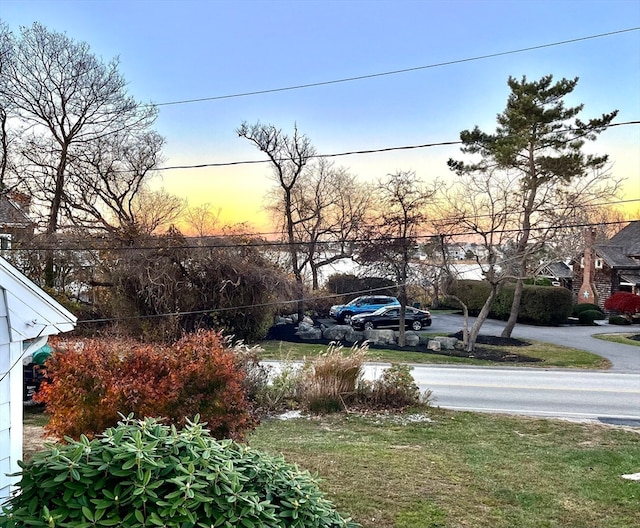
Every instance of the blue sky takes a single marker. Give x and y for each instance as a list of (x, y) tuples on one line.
[(187, 49)]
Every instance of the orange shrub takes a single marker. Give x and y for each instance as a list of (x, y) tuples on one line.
[(199, 374)]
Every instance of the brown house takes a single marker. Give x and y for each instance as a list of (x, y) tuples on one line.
[(15, 223), (609, 267)]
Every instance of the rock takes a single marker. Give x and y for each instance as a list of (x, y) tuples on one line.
[(411, 339), (434, 345), (353, 336), (447, 343), (336, 332), (308, 331), (380, 337)]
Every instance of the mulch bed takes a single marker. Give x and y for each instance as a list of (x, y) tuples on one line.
[(286, 332)]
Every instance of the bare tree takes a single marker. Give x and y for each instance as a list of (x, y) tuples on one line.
[(536, 140), (66, 98), (329, 208), (480, 208), (401, 204), (202, 220), (107, 187), (289, 157)]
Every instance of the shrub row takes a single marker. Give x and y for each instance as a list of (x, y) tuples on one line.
[(541, 305)]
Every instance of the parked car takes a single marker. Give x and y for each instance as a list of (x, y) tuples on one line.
[(389, 317), (364, 304)]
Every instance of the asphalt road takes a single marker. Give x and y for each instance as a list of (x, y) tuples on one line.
[(624, 358), (606, 397), (611, 396)]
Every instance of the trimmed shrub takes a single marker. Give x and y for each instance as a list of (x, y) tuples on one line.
[(200, 374), (542, 305), (142, 473), (583, 307), (545, 305), (589, 317), (472, 293), (619, 320)]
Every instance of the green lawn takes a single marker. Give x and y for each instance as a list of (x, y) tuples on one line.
[(551, 355), (620, 338), (465, 469)]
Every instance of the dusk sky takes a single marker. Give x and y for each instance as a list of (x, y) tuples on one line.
[(172, 51)]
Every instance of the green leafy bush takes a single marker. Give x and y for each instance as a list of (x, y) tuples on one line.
[(142, 474), (589, 317), (200, 374)]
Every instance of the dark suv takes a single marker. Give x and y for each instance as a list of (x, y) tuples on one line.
[(364, 304)]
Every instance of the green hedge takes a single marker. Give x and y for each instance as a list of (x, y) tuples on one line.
[(542, 305)]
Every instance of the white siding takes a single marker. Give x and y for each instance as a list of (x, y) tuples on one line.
[(27, 314)]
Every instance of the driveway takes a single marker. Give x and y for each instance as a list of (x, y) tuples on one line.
[(624, 358)]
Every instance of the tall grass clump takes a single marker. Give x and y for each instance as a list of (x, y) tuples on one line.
[(332, 379)]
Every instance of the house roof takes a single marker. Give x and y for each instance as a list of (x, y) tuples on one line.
[(628, 239), (623, 249), (26, 311), (559, 270), (11, 215)]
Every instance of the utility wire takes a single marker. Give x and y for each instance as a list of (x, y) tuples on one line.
[(279, 243), (396, 72), (357, 152)]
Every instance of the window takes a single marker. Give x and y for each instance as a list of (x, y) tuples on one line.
[(5, 241), (598, 263)]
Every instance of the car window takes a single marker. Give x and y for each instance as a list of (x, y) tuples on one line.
[(393, 312)]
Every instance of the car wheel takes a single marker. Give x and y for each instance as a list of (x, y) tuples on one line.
[(345, 318), (369, 325), (416, 325)]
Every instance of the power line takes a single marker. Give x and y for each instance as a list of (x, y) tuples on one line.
[(277, 303), (396, 72), (286, 244), (352, 152)]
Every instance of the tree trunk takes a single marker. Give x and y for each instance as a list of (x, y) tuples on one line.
[(515, 309), (482, 317)]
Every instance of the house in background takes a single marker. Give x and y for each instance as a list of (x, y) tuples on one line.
[(606, 268), (15, 224), (559, 273), (28, 316)]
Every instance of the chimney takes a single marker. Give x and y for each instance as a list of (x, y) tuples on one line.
[(587, 293)]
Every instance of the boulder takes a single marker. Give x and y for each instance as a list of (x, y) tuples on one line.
[(434, 345), (411, 339), (446, 343), (308, 331), (353, 336), (336, 332), (380, 337)]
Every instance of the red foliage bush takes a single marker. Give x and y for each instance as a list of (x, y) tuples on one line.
[(89, 387), (623, 302)]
